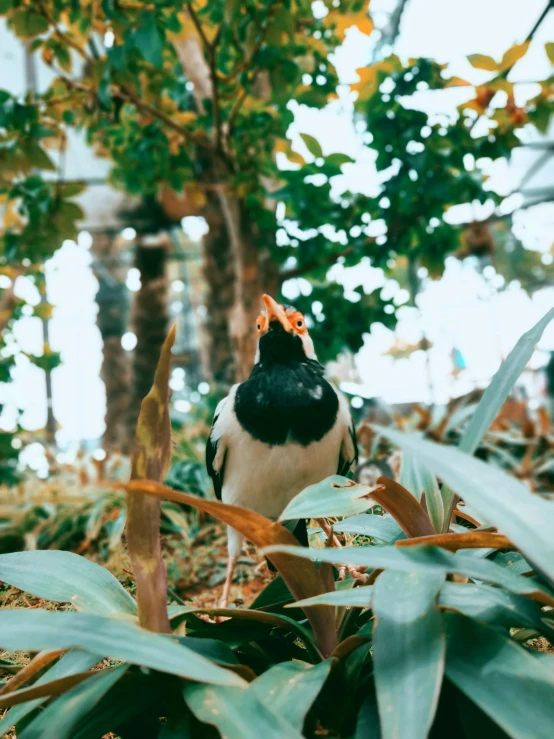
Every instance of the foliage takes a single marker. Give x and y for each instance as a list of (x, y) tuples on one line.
[(311, 654), (198, 98)]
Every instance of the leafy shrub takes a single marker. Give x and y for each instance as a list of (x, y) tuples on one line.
[(432, 639)]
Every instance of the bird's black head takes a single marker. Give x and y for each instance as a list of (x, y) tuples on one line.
[(283, 334)]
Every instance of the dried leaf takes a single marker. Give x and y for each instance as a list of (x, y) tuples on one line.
[(303, 582), (150, 460), (403, 507), (453, 542)]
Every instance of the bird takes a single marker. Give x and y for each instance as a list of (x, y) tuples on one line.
[(282, 429)]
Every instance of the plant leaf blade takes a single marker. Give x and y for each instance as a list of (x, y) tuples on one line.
[(65, 577), (34, 630), (409, 645)]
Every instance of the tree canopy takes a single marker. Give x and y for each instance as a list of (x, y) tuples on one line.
[(195, 98)]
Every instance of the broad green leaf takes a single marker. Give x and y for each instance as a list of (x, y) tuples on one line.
[(481, 61), (238, 714), (493, 606), (513, 55), (494, 396), (70, 664), (34, 630), (231, 10), (130, 703), (353, 597), (501, 677), (416, 478), (484, 603), (338, 159), (423, 559), (526, 519), (60, 718), (334, 496), (408, 652), (501, 384), (148, 40), (244, 614), (64, 577), (384, 528), (289, 689), (312, 144), (368, 724)]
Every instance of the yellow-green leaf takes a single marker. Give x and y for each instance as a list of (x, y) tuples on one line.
[(549, 48), (481, 61), (513, 55)]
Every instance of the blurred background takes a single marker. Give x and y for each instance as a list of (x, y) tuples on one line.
[(388, 168)]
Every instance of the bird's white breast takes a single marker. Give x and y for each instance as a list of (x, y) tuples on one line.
[(265, 478)]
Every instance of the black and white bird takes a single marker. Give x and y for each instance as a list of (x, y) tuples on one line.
[(282, 429)]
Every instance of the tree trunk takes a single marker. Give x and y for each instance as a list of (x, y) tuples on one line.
[(149, 320), (112, 300)]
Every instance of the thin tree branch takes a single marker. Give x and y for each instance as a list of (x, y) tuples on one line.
[(198, 26)]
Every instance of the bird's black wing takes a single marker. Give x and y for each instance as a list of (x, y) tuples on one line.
[(345, 464), (211, 451)]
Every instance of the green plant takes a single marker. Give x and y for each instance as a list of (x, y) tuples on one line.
[(433, 638)]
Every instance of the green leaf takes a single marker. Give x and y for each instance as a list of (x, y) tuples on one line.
[(480, 61), (72, 189), (493, 606), (5, 5), (38, 158), (290, 688), (312, 144), (70, 664), (501, 384), (416, 478), (34, 630), (549, 48), (128, 710), (408, 652), (231, 11), (338, 159), (526, 519), (238, 714), (60, 718), (243, 614), (360, 597), (334, 496), (423, 559), (384, 528), (117, 57), (148, 40), (502, 678), (28, 23), (64, 577)]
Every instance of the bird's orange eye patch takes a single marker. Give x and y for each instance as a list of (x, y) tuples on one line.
[(298, 323), (260, 324)]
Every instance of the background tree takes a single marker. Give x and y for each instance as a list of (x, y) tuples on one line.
[(195, 97)]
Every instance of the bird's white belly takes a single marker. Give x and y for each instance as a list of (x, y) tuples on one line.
[(265, 478)]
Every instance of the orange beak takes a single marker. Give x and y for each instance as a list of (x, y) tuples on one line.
[(275, 312)]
